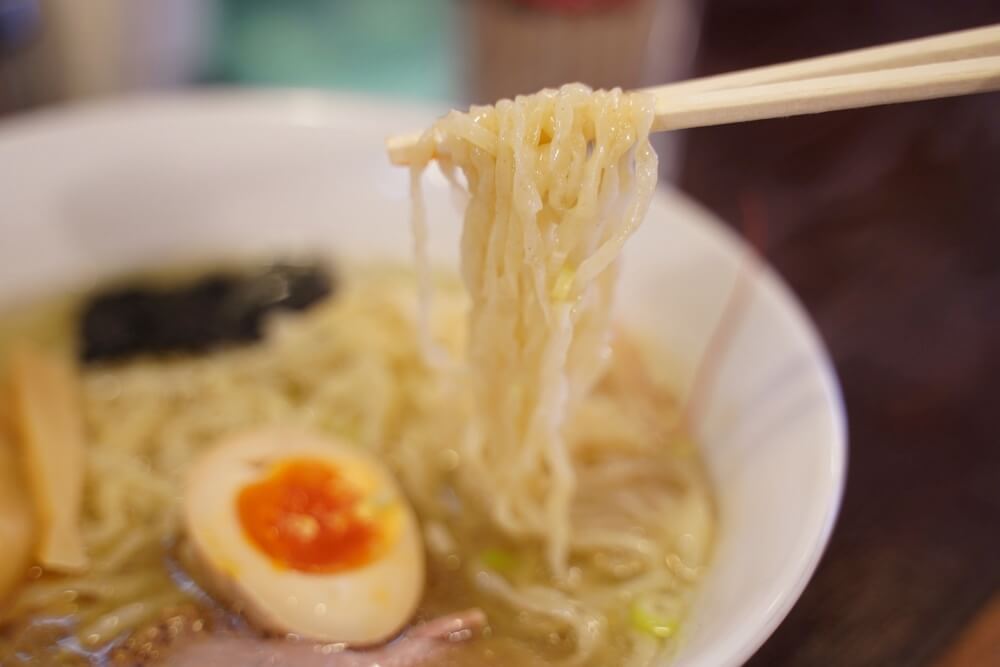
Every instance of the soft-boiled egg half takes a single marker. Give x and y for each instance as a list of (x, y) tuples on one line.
[(306, 535)]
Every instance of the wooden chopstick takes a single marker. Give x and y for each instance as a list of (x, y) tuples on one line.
[(829, 93), (946, 65), (974, 43)]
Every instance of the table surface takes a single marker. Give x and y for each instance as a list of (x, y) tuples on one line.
[(886, 223)]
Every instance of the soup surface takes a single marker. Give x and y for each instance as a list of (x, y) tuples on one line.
[(347, 363)]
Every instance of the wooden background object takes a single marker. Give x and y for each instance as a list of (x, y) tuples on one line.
[(886, 223)]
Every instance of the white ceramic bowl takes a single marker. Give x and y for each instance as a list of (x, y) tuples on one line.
[(94, 191)]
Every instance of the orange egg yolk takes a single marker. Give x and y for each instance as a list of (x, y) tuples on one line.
[(306, 516)]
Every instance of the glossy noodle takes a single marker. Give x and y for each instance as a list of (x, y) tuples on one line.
[(557, 182)]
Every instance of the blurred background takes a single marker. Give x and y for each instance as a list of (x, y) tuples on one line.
[(453, 50), (448, 52), (885, 221)]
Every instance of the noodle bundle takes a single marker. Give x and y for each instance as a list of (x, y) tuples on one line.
[(563, 443), (558, 181)]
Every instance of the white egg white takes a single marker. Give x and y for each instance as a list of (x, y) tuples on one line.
[(361, 606)]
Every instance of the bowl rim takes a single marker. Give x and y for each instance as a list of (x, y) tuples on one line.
[(737, 648), (785, 601)]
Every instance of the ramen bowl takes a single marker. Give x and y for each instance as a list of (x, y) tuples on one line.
[(99, 190)]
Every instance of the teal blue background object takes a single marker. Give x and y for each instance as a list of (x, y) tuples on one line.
[(403, 48)]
